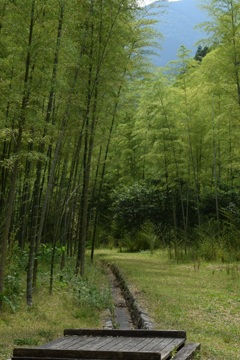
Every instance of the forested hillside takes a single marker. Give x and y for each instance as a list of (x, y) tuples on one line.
[(96, 149), (177, 21)]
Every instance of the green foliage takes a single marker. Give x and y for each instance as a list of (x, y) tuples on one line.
[(228, 203), (49, 315), (133, 242), (201, 52), (46, 250), (134, 205), (185, 132), (58, 102), (85, 312), (7, 302), (92, 290), (209, 249), (91, 295), (148, 232), (12, 289), (16, 263), (25, 342), (48, 335), (151, 202)]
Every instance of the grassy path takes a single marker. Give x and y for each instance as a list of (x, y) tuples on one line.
[(205, 302)]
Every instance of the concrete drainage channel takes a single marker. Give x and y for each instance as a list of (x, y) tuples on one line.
[(127, 312)]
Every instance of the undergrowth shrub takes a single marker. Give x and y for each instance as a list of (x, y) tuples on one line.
[(15, 265), (92, 290), (149, 234), (208, 249), (91, 295), (141, 240)]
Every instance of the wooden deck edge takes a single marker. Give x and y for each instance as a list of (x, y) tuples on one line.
[(37, 358), (126, 333), (187, 352), (33, 353), (40, 358)]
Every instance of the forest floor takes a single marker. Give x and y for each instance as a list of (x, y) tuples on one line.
[(202, 299)]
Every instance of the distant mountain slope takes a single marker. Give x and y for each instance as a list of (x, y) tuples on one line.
[(177, 26)]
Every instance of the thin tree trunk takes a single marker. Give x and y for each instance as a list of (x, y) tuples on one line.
[(177, 173), (92, 204), (24, 209), (36, 237), (10, 204), (215, 167), (82, 223), (6, 153), (103, 173), (7, 223)]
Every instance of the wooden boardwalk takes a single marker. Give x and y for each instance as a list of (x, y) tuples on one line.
[(112, 345)]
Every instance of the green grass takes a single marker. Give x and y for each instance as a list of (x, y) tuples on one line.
[(205, 302), (74, 303)]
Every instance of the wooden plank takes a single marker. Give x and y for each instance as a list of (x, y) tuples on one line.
[(23, 353), (34, 358), (53, 343), (133, 343), (155, 343), (87, 344), (187, 352), (168, 343), (116, 343), (43, 358), (124, 343), (74, 342), (126, 333), (64, 342), (99, 342), (139, 347), (127, 344), (172, 346), (39, 358), (79, 342)]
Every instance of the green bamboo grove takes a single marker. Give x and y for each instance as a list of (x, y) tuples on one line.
[(63, 67), (98, 147), (180, 148)]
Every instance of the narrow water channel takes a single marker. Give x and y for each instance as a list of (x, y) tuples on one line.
[(121, 319)]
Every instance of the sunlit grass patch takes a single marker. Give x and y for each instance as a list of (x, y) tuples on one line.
[(205, 301), (51, 314)]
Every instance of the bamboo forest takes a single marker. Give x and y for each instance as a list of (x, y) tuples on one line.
[(99, 148)]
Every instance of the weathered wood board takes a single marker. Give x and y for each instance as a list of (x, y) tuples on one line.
[(187, 352), (97, 344)]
